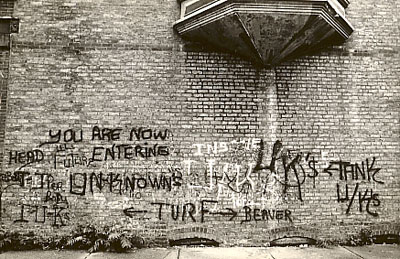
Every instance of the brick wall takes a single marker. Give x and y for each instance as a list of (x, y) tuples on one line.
[(113, 119), (7, 7), (343, 104), (6, 10), (4, 61)]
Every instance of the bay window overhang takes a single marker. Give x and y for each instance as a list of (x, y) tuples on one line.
[(267, 32)]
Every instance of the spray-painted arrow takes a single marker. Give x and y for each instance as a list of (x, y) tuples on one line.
[(131, 211)]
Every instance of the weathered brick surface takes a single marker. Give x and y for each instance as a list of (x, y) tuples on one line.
[(4, 62), (7, 7), (275, 139)]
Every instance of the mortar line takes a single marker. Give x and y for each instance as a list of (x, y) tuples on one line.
[(86, 257), (179, 253), (354, 253)]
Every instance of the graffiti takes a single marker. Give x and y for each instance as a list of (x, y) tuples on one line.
[(36, 181), (351, 173), (56, 203), (40, 214), (222, 147), (204, 212), (182, 212), (130, 212), (125, 151), (71, 160), (115, 182), (106, 133), (128, 152), (367, 198), (228, 212), (364, 171), (55, 197), (17, 177), (287, 169), (242, 180), (266, 215), (188, 211), (67, 136), (64, 147), (65, 157), (68, 150), (25, 158), (230, 175), (284, 164), (147, 134)]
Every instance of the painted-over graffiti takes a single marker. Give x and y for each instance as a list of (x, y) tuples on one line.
[(284, 168)]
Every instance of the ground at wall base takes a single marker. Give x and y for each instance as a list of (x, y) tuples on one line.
[(366, 252)]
